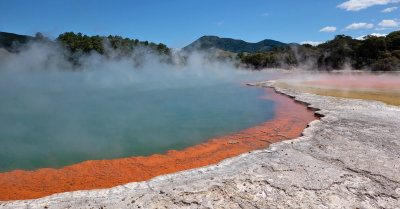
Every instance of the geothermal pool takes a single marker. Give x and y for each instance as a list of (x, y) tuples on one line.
[(66, 130), (50, 120)]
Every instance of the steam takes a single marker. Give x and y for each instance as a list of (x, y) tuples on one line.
[(142, 67), (40, 81)]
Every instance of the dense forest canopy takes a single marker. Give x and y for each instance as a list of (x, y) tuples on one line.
[(375, 53), (73, 45), (78, 42)]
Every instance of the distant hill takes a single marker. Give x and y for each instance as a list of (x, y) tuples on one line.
[(8, 40), (233, 45)]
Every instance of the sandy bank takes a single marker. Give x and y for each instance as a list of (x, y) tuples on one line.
[(350, 158)]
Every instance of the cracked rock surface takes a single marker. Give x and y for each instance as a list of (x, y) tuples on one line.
[(348, 159)]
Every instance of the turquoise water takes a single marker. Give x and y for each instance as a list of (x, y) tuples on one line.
[(58, 119)]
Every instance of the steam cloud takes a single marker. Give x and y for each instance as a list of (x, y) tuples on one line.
[(142, 67), (40, 81)]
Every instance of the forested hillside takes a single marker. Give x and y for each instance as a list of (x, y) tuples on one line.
[(78, 42), (232, 45), (375, 53), (372, 53), (10, 41)]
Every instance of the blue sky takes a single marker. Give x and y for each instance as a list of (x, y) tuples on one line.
[(179, 22)]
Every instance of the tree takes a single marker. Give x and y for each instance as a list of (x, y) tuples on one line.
[(371, 49), (78, 43), (393, 40)]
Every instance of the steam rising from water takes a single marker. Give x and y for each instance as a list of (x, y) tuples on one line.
[(53, 113)]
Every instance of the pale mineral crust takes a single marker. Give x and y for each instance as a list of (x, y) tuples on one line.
[(350, 158)]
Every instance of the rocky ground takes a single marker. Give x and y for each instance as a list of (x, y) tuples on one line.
[(348, 159)]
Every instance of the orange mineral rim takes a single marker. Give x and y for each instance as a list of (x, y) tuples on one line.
[(289, 121)]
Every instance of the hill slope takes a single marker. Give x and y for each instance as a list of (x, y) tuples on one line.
[(8, 39), (233, 45)]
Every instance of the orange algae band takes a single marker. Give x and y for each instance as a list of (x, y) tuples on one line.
[(289, 121)]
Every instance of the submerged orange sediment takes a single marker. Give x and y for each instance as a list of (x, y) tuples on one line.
[(289, 121)]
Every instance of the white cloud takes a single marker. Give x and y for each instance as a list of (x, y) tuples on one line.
[(389, 24), (219, 23), (390, 9), (328, 29), (264, 14), (378, 34), (360, 25), (372, 34), (357, 5), (313, 43)]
